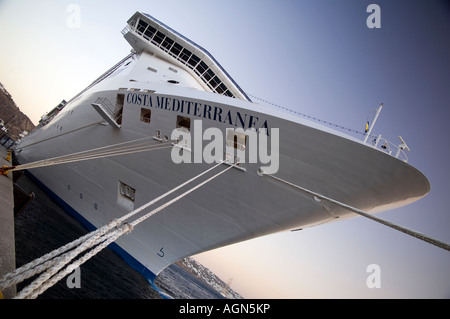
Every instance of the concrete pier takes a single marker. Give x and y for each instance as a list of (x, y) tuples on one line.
[(7, 241)]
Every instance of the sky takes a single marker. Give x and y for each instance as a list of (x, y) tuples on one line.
[(315, 57)]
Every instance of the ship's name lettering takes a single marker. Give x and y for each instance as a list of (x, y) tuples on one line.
[(201, 110)]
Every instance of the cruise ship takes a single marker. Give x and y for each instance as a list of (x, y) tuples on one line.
[(168, 112)]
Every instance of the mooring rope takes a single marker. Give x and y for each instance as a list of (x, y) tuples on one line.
[(62, 134), (405, 230), (99, 239), (123, 148), (29, 269), (40, 264), (45, 284)]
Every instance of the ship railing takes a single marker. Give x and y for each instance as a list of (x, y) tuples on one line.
[(398, 151), (129, 27), (125, 30), (114, 113)]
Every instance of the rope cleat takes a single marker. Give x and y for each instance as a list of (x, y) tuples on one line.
[(4, 170)]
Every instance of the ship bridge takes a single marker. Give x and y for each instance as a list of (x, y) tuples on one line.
[(145, 33)]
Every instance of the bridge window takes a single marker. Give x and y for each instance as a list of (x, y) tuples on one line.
[(159, 37), (221, 88), (142, 25), (167, 44), (228, 93), (214, 82), (194, 60), (185, 55), (209, 74), (176, 49), (201, 68), (148, 34)]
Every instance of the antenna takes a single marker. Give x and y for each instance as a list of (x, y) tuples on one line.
[(402, 146)]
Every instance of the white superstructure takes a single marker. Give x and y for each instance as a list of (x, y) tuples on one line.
[(168, 83)]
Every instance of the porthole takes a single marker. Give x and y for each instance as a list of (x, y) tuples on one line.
[(145, 115), (126, 196), (183, 122)]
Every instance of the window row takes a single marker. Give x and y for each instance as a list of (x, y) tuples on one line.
[(238, 140), (183, 55)]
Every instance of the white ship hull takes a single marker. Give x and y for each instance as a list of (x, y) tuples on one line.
[(238, 205)]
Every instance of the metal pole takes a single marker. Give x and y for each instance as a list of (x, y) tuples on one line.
[(373, 123)]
